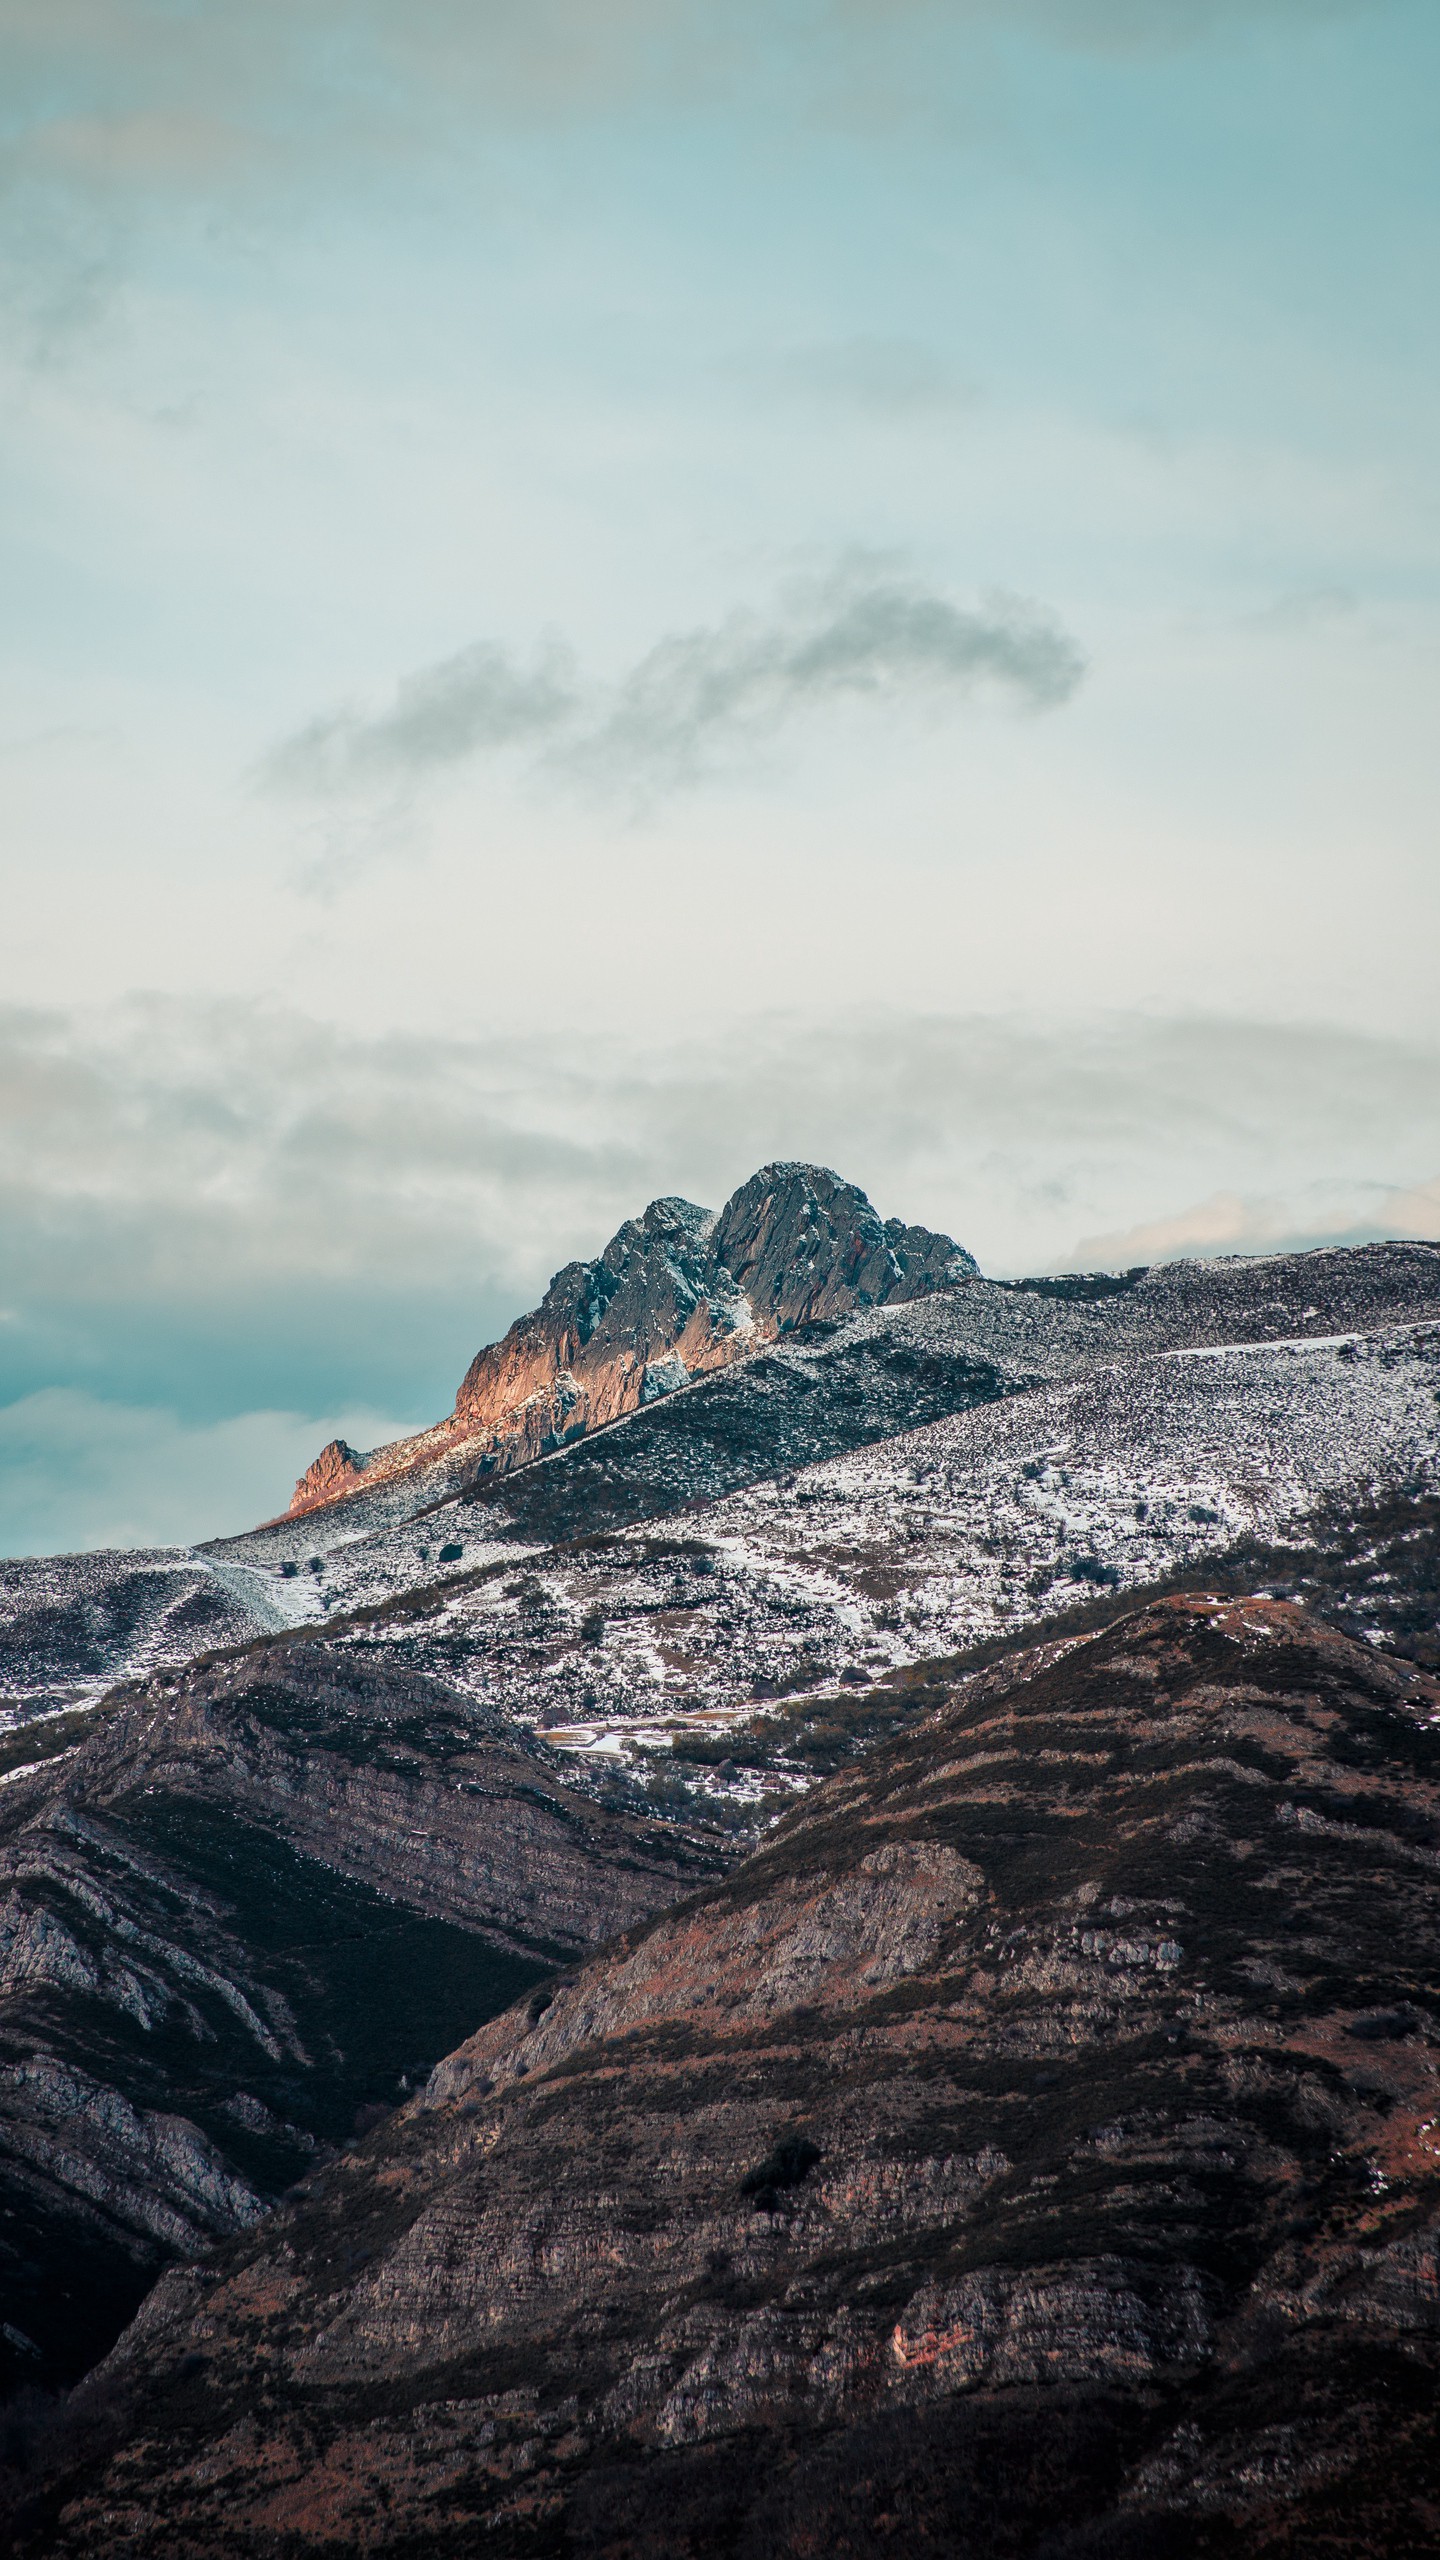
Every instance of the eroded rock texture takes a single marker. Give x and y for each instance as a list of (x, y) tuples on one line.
[(1031, 2150), (263, 1896)]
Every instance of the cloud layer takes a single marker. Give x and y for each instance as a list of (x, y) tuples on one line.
[(78, 1470), (340, 333)]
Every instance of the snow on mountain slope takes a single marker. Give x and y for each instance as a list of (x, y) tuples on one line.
[(973, 1525), (69, 1627), (823, 1390)]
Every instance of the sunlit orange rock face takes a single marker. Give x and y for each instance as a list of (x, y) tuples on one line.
[(337, 1470), (1030, 2151), (675, 1293)]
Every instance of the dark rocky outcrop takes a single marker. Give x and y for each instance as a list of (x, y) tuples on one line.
[(1031, 2150), (263, 1895), (676, 1293), (786, 1407)]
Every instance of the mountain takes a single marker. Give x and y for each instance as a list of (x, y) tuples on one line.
[(287, 1818), (263, 1896), (1359, 1324), (1030, 2148), (70, 1626), (920, 1478), (675, 1294)]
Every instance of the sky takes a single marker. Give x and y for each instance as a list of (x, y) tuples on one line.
[(594, 597)]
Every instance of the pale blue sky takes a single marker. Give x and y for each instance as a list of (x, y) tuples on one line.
[(538, 540)]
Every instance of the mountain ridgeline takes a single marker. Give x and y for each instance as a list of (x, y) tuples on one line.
[(810, 1926)]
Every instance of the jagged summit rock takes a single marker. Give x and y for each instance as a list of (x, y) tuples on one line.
[(655, 1299), (675, 1293), (806, 1247)]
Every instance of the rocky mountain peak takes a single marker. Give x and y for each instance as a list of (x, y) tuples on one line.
[(684, 1220), (675, 1293), (805, 1246)]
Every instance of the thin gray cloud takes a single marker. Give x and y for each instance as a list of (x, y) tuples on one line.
[(697, 697), (479, 701), (699, 693)]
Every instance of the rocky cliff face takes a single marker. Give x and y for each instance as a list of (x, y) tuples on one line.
[(676, 1293), (1031, 2150), (806, 1248), (263, 1895)]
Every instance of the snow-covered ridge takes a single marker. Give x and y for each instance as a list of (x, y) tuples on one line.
[(928, 1542), (1221, 1397)]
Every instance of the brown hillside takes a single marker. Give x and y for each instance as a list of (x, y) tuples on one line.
[(1032, 2150)]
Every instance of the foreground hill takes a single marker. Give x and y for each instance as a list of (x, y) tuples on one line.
[(261, 1897), (1031, 2149)]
